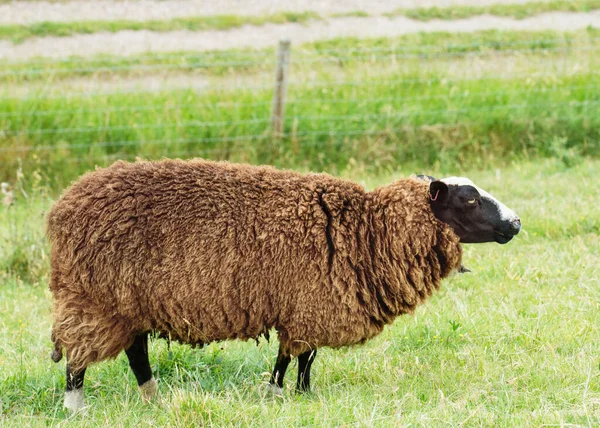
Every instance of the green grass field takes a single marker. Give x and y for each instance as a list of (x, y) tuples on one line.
[(514, 343), (423, 98)]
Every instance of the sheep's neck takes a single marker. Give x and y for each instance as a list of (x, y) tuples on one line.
[(407, 252)]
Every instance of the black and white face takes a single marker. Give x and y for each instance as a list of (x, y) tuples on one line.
[(474, 214)]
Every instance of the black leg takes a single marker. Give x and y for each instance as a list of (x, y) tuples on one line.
[(74, 393), (305, 361), (137, 354), (74, 379), (280, 367)]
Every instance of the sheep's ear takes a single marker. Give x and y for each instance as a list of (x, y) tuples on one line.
[(438, 192)]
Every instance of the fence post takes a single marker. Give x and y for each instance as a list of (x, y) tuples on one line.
[(283, 61)]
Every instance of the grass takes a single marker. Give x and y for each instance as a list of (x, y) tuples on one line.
[(350, 14), (517, 10), (515, 343), (469, 99), (20, 32)]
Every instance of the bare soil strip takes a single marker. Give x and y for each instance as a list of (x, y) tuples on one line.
[(26, 12)]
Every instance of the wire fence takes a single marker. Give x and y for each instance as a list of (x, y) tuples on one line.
[(309, 101), (218, 124), (342, 104)]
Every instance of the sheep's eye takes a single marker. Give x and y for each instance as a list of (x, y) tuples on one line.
[(472, 201)]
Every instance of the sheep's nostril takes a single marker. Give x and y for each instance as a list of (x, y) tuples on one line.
[(516, 224)]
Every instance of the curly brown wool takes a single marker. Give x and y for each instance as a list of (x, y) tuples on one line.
[(204, 251)]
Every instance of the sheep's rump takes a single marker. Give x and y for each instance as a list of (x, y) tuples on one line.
[(200, 251)]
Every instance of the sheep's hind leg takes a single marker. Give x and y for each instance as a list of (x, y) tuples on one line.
[(137, 354), (305, 361), (281, 366), (74, 392)]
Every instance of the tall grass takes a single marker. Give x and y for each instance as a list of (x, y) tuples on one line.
[(446, 120), (23, 252)]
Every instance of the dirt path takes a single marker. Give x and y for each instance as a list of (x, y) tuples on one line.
[(132, 42), (29, 12)]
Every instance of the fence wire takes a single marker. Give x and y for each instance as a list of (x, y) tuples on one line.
[(329, 119), (310, 101), (199, 151), (337, 93)]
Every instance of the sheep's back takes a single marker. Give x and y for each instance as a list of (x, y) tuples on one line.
[(202, 250)]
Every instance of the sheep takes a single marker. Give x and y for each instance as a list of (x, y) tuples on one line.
[(202, 251)]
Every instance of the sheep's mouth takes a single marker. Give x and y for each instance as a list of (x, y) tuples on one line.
[(502, 238)]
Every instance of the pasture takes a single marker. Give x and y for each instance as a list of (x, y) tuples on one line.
[(420, 99), (514, 343)]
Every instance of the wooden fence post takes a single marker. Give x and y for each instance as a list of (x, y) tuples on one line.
[(278, 113)]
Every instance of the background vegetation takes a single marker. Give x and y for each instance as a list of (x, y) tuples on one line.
[(462, 98)]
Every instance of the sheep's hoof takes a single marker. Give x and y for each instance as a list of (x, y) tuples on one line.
[(277, 391), (74, 400), (148, 389), (271, 390)]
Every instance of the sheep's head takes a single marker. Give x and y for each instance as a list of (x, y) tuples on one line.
[(474, 214)]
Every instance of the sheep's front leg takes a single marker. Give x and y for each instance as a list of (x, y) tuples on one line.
[(74, 392), (305, 361), (137, 354), (281, 366)]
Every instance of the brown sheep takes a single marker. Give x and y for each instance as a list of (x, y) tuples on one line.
[(201, 251)]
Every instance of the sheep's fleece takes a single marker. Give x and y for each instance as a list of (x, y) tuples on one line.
[(202, 251)]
